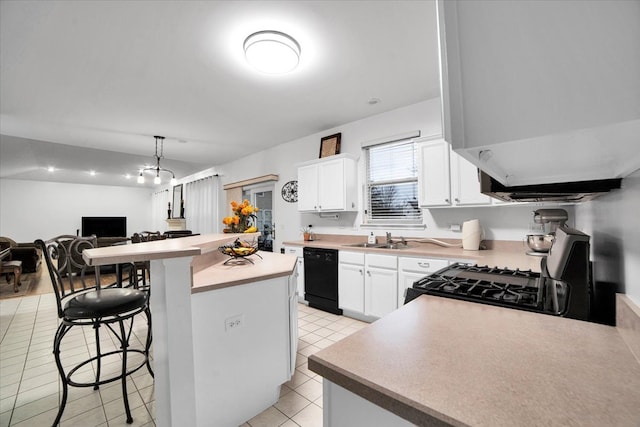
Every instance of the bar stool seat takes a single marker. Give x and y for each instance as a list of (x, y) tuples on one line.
[(15, 268)]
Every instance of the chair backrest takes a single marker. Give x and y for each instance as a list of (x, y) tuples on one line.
[(63, 256), (147, 236)]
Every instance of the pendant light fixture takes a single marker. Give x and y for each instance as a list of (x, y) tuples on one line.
[(272, 52), (157, 169)]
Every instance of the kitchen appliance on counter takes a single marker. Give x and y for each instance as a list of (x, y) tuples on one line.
[(321, 278), (564, 288), (548, 220)]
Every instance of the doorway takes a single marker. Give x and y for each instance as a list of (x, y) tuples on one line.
[(261, 197)]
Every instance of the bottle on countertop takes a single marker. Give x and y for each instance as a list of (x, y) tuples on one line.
[(372, 238)]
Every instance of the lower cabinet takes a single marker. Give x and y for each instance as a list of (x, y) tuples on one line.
[(412, 269), (367, 283)]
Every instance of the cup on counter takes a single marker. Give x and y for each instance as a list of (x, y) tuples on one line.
[(471, 235)]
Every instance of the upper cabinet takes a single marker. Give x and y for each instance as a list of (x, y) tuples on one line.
[(328, 185), (445, 178), (540, 92)]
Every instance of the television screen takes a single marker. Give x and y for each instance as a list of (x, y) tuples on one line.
[(104, 226)]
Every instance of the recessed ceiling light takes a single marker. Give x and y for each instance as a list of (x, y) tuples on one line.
[(92, 173), (272, 52), (51, 169)]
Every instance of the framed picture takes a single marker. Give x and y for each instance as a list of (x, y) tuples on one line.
[(330, 145), (177, 201)]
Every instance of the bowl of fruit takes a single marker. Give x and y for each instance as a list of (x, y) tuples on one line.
[(240, 250)]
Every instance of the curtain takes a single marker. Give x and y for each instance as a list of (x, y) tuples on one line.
[(201, 205), (159, 205)]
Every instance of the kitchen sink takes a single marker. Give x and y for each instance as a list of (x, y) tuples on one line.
[(379, 245)]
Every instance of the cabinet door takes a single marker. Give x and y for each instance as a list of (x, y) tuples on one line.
[(308, 188), (465, 183), (405, 281), (351, 287), (381, 291), (433, 174), (331, 185)]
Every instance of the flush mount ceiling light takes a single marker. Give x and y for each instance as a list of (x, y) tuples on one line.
[(157, 169), (272, 52)]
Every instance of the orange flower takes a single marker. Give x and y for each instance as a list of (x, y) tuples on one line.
[(236, 220)]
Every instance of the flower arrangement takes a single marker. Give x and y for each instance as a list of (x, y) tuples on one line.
[(240, 221)]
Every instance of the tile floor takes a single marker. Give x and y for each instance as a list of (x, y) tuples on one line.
[(30, 389)]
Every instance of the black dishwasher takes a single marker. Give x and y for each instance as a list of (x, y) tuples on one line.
[(321, 279)]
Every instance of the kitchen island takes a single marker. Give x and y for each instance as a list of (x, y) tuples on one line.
[(224, 335), (445, 362)]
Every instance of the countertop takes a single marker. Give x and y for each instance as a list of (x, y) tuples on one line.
[(208, 269), (469, 364), (501, 254)]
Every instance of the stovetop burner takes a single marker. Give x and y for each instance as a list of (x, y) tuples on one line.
[(498, 286)]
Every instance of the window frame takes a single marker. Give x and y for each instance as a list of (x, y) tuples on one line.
[(404, 221)]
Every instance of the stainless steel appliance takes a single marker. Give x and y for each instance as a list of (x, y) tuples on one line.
[(578, 191), (321, 278), (563, 288), (549, 220)]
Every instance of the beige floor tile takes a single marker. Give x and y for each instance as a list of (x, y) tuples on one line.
[(89, 418), (310, 390), (292, 403), (309, 350), (44, 419), (34, 408), (311, 416), (290, 423), (269, 418)]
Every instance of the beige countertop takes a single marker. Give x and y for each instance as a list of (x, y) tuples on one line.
[(502, 254), (469, 364), (237, 272), (208, 269)]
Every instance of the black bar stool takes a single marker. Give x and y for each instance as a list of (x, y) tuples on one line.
[(83, 304)]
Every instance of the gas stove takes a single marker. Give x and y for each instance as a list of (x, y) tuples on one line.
[(520, 289)]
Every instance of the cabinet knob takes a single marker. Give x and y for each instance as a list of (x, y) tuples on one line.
[(456, 199), (360, 271), (446, 200), (315, 207), (368, 273)]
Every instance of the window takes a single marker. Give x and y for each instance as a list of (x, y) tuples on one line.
[(392, 183)]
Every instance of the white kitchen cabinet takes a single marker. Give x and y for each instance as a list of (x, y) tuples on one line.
[(554, 81), (299, 275), (411, 269), (380, 285), (351, 281), (465, 183), (367, 283), (328, 185), (434, 178)]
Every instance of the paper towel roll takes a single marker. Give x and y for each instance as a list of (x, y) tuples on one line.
[(471, 235)]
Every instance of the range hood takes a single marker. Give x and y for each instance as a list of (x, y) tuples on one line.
[(563, 192)]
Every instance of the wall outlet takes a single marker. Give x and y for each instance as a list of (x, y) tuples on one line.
[(234, 322), (455, 227)]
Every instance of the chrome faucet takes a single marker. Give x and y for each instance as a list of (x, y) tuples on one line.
[(389, 241)]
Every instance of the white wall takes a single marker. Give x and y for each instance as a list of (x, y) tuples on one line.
[(501, 223), (31, 210), (613, 221)]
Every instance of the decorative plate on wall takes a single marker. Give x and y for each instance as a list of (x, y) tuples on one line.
[(290, 191)]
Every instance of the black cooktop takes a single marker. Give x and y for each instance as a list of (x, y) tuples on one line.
[(522, 289)]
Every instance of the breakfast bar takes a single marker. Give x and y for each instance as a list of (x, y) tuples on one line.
[(224, 335)]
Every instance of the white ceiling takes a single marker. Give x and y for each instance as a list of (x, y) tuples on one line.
[(105, 75)]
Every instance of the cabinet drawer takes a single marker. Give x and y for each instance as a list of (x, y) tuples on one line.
[(426, 265), (382, 261), (351, 257)]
